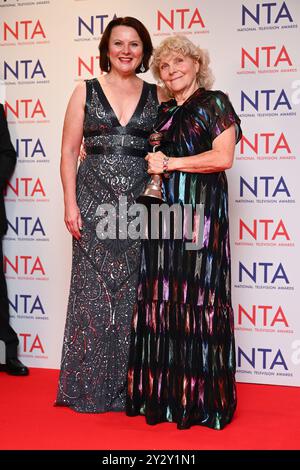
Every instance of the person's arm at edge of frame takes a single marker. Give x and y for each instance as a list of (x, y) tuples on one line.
[(8, 154)]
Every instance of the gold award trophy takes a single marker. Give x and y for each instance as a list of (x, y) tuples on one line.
[(153, 191)]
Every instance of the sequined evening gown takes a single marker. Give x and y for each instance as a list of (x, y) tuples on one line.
[(104, 272), (182, 354)]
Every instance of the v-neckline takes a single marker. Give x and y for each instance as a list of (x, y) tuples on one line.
[(138, 108)]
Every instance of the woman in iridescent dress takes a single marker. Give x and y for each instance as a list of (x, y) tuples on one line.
[(182, 352)]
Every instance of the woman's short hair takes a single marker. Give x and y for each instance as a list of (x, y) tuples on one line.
[(142, 32), (181, 44)]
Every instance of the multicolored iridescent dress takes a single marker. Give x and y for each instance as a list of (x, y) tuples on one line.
[(182, 352)]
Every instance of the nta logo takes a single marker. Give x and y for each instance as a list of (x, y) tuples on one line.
[(267, 12), (23, 30), (181, 18)]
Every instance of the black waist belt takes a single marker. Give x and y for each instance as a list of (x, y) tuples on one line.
[(120, 130), (116, 149)]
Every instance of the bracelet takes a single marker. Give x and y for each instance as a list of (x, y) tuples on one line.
[(165, 164)]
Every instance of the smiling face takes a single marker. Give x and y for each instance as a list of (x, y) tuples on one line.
[(125, 50), (179, 73)]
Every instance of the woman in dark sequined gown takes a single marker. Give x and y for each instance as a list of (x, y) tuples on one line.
[(115, 115), (182, 353)]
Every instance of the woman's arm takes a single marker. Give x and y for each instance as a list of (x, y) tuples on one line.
[(71, 141), (218, 159)]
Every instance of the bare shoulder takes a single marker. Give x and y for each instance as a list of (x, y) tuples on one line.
[(162, 94), (102, 80), (79, 94), (80, 88)]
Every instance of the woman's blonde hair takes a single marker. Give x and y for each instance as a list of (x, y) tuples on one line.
[(184, 46)]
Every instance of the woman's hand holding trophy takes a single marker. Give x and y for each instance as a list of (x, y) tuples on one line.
[(157, 165)]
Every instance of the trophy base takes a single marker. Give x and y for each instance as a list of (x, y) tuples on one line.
[(147, 200)]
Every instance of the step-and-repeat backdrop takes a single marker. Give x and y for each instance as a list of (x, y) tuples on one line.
[(46, 47)]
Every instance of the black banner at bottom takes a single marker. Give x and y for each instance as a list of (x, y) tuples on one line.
[(136, 458)]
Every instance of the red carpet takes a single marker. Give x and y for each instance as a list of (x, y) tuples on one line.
[(267, 418)]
